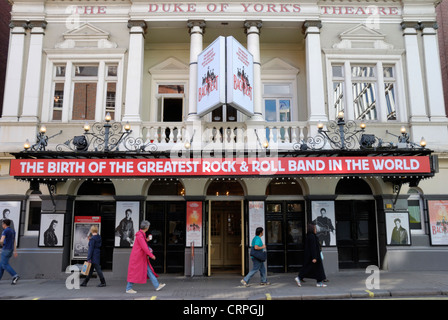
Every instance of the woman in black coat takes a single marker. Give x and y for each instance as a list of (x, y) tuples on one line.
[(93, 256), (312, 266)]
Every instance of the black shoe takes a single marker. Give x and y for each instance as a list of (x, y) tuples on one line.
[(84, 284), (102, 285), (15, 279)]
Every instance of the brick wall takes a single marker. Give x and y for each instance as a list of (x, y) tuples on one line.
[(5, 18), (442, 21)]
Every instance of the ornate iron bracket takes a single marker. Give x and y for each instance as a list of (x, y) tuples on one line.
[(41, 140)]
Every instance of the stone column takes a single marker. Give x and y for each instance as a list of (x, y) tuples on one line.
[(32, 93), (196, 29), (14, 70), (314, 72), (134, 80), (416, 98), (253, 46), (433, 74)]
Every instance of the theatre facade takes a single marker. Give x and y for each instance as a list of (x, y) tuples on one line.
[(210, 119)]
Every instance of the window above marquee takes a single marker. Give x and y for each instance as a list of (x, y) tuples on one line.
[(365, 77), (83, 77)]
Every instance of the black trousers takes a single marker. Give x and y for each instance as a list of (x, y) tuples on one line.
[(97, 267)]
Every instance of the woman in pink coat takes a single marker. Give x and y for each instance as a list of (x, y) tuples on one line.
[(140, 268)]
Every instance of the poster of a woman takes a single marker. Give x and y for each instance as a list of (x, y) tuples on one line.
[(438, 222)]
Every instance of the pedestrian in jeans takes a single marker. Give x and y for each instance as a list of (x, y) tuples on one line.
[(258, 265), (140, 268), (93, 256), (8, 239)]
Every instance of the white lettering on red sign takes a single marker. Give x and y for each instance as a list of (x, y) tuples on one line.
[(219, 166)]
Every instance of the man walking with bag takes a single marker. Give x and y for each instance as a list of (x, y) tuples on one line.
[(8, 239)]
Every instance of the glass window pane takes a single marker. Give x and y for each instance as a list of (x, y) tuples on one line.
[(364, 100), (338, 98), (285, 110), (111, 71), (338, 71), (171, 88), (389, 93), (58, 100), (414, 214), (270, 110), (363, 72), (388, 72), (274, 207), (86, 71), (110, 98), (295, 231), (274, 232), (84, 101), (277, 89), (294, 207), (343, 231), (363, 230), (176, 232), (60, 71)]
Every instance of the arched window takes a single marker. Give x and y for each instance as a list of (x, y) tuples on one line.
[(225, 188), (284, 187), (101, 188), (166, 187), (353, 186)]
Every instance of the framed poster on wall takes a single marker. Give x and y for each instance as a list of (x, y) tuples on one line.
[(11, 210), (194, 223), (126, 223), (323, 216), (438, 222), (51, 231), (256, 219), (397, 228), (81, 233)]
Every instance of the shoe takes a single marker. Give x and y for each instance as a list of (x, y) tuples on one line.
[(15, 279), (267, 283), (101, 285), (131, 291), (320, 284), (298, 281), (160, 287), (84, 284), (244, 283)]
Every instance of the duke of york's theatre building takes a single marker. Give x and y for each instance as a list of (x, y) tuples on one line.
[(210, 119)]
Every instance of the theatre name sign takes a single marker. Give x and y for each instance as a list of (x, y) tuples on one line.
[(283, 166), (265, 9)]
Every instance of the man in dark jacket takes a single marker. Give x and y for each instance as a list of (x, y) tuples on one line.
[(399, 234)]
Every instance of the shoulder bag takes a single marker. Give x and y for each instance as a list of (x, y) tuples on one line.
[(258, 254)]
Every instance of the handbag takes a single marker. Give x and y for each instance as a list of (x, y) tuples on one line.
[(86, 268), (258, 254)]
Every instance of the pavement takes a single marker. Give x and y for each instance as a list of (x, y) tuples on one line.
[(343, 285)]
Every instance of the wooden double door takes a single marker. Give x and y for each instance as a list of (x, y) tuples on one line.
[(225, 236)]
